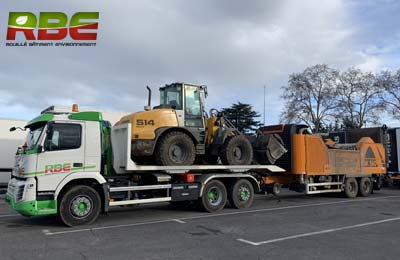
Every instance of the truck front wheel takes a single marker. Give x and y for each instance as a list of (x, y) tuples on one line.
[(214, 196), (80, 205), (241, 194)]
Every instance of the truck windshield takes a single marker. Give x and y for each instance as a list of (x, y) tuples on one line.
[(171, 96), (35, 131)]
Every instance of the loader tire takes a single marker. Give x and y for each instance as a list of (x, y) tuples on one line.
[(364, 187), (350, 187), (237, 150), (175, 149), (79, 206)]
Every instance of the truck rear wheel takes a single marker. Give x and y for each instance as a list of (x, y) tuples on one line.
[(237, 150), (80, 205), (214, 196), (241, 194), (350, 187), (175, 149), (364, 187)]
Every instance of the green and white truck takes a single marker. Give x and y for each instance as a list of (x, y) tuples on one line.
[(76, 165)]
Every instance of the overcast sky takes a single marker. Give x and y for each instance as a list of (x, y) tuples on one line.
[(233, 47)]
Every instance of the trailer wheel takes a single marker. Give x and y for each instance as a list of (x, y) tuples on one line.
[(364, 187), (274, 189), (175, 149), (241, 194), (237, 150), (80, 205), (350, 187), (214, 196)]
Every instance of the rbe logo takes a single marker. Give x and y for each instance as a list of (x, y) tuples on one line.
[(53, 26)]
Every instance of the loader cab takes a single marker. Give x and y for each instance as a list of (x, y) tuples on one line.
[(188, 102)]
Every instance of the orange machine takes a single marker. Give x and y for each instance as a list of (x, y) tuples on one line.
[(315, 165)]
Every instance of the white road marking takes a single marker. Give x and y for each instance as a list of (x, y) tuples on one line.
[(109, 227), (288, 207), (180, 221), (316, 232), (248, 242), (11, 215), (219, 215)]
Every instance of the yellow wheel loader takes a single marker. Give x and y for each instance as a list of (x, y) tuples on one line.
[(179, 131)]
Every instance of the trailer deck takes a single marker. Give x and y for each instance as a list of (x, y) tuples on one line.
[(123, 163)]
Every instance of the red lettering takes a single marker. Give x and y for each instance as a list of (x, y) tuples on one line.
[(29, 33), (52, 34), (76, 35)]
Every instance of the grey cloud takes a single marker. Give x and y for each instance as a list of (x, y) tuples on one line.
[(234, 47)]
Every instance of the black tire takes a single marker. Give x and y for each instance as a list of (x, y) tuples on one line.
[(274, 189), (175, 149), (79, 206), (350, 187), (241, 194), (237, 150), (214, 196), (364, 187)]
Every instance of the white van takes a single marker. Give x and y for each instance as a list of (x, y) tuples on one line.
[(9, 143)]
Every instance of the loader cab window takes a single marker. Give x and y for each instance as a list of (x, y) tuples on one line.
[(171, 96), (63, 137), (193, 109)]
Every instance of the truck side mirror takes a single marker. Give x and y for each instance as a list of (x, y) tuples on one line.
[(12, 129)]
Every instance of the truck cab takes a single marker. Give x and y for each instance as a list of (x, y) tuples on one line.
[(62, 145)]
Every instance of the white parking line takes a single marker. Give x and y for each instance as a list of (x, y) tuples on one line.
[(180, 221), (11, 215), (289, 207), (218, 215), (108, 227), (316, 232)]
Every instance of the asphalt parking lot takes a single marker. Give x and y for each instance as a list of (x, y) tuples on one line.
[(292, 226)]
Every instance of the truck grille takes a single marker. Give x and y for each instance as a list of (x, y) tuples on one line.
[(20, 192), (10, 189), (17, 191)]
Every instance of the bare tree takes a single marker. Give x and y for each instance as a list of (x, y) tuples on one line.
[(358, 98), (390, 97), (310, 96)]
